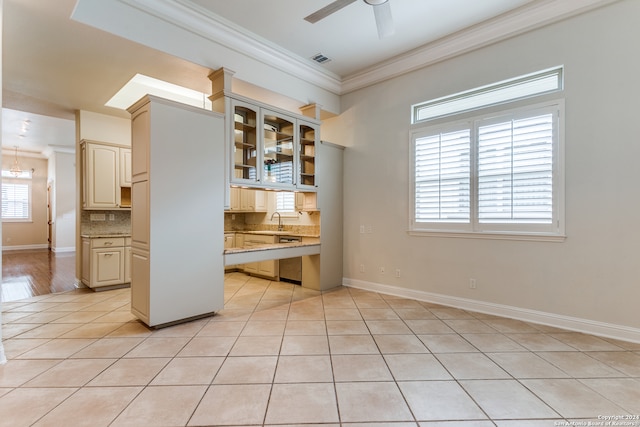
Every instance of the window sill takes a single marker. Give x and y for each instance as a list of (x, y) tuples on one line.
[(17, 220), (531, 237)]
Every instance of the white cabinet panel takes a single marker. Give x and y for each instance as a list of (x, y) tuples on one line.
[(177, 219)]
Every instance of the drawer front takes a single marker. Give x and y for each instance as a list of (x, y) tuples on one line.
[(107, 242)]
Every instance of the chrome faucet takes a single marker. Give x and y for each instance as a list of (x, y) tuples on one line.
[(279, 220)]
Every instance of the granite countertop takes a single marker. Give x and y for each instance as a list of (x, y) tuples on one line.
[(273, 233), (105, 235)]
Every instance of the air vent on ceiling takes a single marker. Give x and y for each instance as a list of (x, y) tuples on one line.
[(320, 58)]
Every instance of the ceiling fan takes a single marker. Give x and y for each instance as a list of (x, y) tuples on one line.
[(381, 10)]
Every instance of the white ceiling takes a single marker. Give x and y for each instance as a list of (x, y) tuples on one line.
[(53, 66), (349, 36)]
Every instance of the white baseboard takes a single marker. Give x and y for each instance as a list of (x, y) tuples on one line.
[(25, 247), (63, 249), (608, 330)]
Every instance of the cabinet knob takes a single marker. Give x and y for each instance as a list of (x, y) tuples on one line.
[(108, 243)]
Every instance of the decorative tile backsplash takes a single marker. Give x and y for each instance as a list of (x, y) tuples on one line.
[(120, 224), (239, 222)]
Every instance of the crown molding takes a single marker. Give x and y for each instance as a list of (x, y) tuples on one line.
[(200, 21), (519, 21), (193, 18)]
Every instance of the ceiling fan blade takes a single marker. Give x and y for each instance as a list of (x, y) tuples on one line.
[(384, 20), (328, 10)]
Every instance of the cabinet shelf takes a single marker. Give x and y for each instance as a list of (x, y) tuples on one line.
[(245, 145), (244, 127), (239, 166)]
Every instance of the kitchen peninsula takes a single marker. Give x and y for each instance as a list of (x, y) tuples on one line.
[(268, 148), (177, 220)]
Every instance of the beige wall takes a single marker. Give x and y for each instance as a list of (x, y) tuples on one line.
[(590, 281), (103, 128), (33, 234), (62, 180)]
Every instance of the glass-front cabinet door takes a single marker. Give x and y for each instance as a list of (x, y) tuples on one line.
[(245, 143), (307, 155), (278, 153)]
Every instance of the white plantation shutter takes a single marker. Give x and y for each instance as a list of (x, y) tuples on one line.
[(498, 174), (442, 182), (515, 171), (285, 201), (15, 201)]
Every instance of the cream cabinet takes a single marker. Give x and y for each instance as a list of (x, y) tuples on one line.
[(247, 200), (306, 202), (229, 240), (104, 176), (125, 167), (127, 260), (104, 261), (263, 268), (177, 221)]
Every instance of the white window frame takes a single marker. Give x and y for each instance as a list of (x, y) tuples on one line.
[(8, 179), (474, 229), (523, 87)]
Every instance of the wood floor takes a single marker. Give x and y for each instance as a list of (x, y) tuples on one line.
[(36, 272)]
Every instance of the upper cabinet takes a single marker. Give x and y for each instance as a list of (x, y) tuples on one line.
[(104, 176), (271, 149), (278, 149), (267, 147), (244, 148), (308, 136)]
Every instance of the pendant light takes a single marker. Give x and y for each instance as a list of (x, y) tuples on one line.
[(15, 169)]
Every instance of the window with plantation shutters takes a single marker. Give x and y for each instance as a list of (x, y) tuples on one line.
[(497, 174), (16, 197)]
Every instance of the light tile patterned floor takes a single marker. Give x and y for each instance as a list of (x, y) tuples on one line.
[(282, 355)]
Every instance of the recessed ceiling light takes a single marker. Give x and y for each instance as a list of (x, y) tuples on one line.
[(141, 85)]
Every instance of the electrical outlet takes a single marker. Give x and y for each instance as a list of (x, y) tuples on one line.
[(362, 229), (397, 272), (361, 268), (112, 217), (381, 270), (472, 283)]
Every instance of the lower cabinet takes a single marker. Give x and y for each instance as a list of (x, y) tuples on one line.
[(105, 261), (140, 293), (127, 260), (263, 268)]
